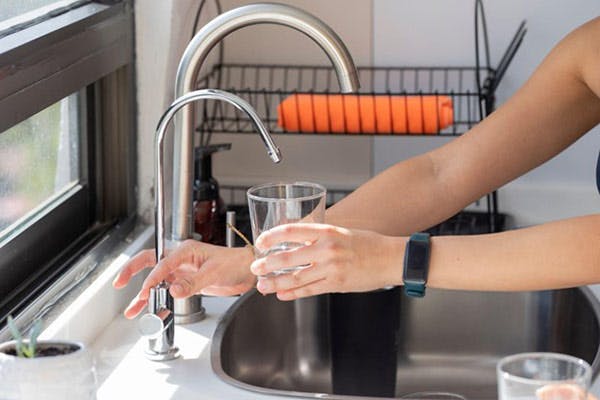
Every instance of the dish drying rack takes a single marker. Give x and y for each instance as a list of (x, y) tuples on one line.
[(471, 90)]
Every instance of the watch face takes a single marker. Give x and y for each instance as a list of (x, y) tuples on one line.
[(418, 254)]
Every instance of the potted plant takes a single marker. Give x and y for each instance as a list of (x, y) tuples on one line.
[(45, 369)]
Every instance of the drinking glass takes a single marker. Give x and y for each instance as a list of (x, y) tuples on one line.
[(543, 376), (274, 204)]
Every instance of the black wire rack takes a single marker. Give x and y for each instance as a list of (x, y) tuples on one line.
[(392, 100), (404, 86), (469, 91)]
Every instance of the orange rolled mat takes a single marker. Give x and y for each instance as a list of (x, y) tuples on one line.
[(382, 114)]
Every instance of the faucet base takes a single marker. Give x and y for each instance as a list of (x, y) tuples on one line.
[(189, 310), (182, 319), (172, 354)]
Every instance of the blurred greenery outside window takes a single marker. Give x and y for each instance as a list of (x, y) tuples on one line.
[(39, 159)]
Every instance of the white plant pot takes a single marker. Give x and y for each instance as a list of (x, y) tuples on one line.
[(66, 376)]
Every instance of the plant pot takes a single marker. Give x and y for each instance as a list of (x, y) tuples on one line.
[(64, 370)]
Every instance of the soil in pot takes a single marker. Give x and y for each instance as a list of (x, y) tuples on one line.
[(48, 350)]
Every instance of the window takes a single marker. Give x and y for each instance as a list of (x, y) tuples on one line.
[(39, 161), (66, 136)]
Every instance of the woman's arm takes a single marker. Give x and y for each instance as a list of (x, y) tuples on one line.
[(558, 104), (554, 255)]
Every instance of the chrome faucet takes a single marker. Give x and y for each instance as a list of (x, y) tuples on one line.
[(189, 68), (158, 325), (180, 102)]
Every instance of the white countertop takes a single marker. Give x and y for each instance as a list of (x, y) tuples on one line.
[(124, 372)]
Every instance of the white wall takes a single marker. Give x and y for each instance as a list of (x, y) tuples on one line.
[(160, 25), (441, 32)]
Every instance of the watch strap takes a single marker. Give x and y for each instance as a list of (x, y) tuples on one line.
[(413, 288)]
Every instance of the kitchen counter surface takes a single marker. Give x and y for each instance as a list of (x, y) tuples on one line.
[(124, 372)]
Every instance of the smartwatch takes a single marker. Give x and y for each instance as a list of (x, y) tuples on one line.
[(416, 264)]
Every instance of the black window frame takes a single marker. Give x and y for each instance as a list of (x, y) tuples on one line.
[(88, 50)]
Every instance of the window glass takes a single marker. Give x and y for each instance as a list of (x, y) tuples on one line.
[(18, 11), (39, 158)]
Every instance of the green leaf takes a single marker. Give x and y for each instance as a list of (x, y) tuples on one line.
[(36, 329), (14, 331), (28, 351), (12, 327)]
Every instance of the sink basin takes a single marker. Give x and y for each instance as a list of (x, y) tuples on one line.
[(383, 344)]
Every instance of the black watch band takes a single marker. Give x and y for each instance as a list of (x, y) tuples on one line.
[(416, 264)]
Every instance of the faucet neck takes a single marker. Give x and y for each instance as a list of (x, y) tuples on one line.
[(189, 67), (214, 31), (166, 118)]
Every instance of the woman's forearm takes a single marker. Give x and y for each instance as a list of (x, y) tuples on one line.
[(552, 110), (406, 198), (554, 255)]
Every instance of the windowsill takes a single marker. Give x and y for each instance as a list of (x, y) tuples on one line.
[(81, 312), (100, 299)]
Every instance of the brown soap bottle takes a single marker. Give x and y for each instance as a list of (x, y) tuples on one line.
[(209, 210)]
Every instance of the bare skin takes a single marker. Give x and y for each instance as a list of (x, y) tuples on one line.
[(361, 248), (224, 272), (562, 391)]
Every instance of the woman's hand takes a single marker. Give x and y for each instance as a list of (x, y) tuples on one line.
[(193, 267), (338, 259)]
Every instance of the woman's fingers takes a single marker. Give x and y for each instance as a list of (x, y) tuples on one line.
[(338, 260), (181, 257), (191, 284), (135, 307), (282, 259), (142, 260), (291, 280), (326, 257), (191, 268), (312, 289), (296, 232), (319, 240)]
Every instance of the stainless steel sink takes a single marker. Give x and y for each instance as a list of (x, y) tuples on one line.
[(383, 344)]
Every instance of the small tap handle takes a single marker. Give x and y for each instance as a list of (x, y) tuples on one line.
[(158, 326), (151, 326)]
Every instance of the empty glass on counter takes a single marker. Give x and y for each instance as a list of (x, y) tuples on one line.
[(276, 204), (543, 376)]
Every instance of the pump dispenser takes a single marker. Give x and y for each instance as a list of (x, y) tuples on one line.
[(209, 211)]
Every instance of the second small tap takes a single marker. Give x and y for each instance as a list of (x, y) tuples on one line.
[(158, 325)]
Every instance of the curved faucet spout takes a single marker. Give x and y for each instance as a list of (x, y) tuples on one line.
[(194, 56), (281, 14), (161, 129)]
